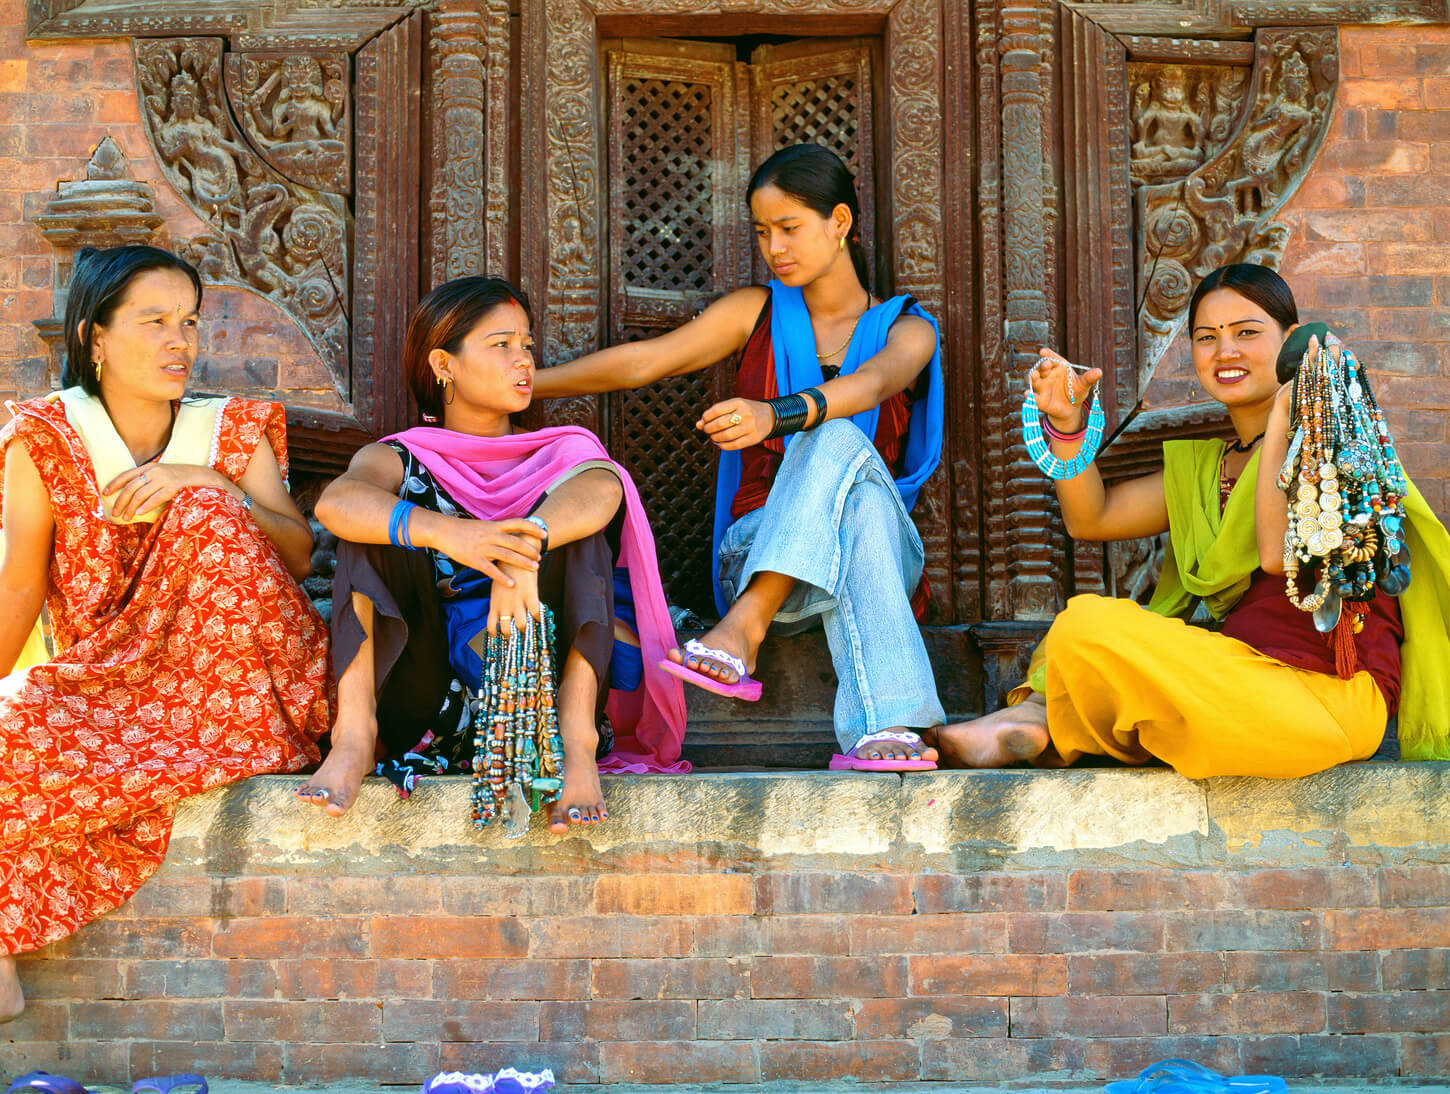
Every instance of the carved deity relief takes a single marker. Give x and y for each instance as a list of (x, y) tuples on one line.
[(1181, 115), (1222, 210), (270, 235), (293, 108)]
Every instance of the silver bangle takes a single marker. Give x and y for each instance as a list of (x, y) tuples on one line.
[(543, 527)]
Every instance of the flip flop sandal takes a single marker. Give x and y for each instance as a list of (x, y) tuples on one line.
[(1187, 1077), (188, 1084), (856, 762), (507, 1081), (743, 688), (47, 1083)]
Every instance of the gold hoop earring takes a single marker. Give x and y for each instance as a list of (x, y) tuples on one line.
[(447, 386), (98, 366), (842, 245)]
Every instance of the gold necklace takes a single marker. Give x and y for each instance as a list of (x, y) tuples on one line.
[(847, 342)]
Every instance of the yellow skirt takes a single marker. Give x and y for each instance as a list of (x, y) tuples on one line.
[(1125, 682)]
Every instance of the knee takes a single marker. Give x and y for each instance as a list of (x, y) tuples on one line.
[(1091, 619), (835, 441)]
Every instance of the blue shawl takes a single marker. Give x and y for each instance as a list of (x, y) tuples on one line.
[(796, 368)]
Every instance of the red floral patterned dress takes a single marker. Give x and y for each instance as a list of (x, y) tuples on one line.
[(186, 658)]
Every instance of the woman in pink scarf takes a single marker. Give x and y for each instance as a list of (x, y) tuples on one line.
[(450, 533)]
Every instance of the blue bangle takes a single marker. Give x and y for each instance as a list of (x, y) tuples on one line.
[(1041, 454), (398, 525)]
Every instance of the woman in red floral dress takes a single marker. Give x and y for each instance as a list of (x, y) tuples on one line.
[(158, 533)]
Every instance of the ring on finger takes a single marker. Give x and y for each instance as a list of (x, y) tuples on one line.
[(143, 478), (735, 419)]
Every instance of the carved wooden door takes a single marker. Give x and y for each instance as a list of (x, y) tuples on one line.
[(686, 121)]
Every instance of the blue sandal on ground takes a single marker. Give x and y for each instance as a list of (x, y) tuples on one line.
[(1187, 1077), (183, 1084), (47, 1083)]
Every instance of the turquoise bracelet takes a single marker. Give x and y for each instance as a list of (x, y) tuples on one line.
[(1041, 454)]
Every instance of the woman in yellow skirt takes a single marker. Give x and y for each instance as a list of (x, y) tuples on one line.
[(1263, 694)]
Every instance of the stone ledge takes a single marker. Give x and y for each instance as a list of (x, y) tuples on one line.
[(1368, 814)]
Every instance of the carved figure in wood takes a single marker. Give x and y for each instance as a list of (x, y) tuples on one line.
[(1168, 130), (294, 109)]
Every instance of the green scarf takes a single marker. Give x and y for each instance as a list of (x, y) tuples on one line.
[(1212, 558)]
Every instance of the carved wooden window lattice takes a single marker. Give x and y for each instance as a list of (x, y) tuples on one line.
[(686, 124)]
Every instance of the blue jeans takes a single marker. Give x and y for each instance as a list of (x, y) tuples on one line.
[(836, 524)]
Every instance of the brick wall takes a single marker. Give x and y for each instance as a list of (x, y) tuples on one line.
[(752, 928), (1369, 250)]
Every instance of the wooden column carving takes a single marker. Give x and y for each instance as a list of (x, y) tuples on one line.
[(457, 48)]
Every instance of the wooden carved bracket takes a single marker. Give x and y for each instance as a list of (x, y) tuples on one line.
[(1223, 210), (282, 240)]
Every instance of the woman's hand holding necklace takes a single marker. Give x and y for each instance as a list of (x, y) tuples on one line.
[(514, 598), (1059, 390), (498, 549)]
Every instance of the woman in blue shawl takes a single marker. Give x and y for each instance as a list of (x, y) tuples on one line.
[(835, 425)]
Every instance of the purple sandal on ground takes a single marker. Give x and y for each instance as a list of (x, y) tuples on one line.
[(743, 688), (854, 762), (47, 1083), (183, 1084), (507, 1081)]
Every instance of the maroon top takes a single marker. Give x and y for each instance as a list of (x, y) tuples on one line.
[(1265, 619), (759, 463)]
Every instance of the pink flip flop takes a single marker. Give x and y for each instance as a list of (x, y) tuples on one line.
[(861, 763), (743, 688)]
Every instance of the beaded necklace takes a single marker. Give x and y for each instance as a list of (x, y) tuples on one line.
[(1345, 491), (518, 753)]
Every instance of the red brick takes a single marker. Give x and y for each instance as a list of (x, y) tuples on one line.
[(1249, 970), (1415, 886), (679, 978), (1080, 932), (1144, 974), (1425, 1057), (1307, 888), (1413, 970), (574, 936), (374, 979), (618, 1020), (314, 1064), (1321, 191), (449, 936), (1356, 1057), (84, 978), (807, 934), (486, 895), (1017, 974), (118, 938), (688, 1062), (366, 896), (288, 1022), (1089, 1016), (288, 936), (1390, 1012), (1126, 1057), (1385, 94), (972, 932), (1141, 890), (569, 1063), (456, 1020), (1375, 157), (931, 1017), (1437, 93), (1387, 929), (1409, 258), (200, 978), (822, 893), (990, 892), (153, 1019), (511, 979), (1249, 1012), (826, 977), (709, 936), (773, 1019), (1243, 930), (220, 898), (857, 1061), (1364, 225), (675, 894), (260, 1063), (997, 1059), (43, 1021)]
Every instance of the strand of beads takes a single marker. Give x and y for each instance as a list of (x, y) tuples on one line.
[(1346, 490), (518, 751)]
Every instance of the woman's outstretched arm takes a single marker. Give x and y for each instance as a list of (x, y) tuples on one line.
[(720, 330), (1271, 508), (29, 536)]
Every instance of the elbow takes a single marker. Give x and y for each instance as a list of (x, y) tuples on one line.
[(327, 508), (1271, 562)]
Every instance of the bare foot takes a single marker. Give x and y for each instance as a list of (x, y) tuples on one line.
[(335, 784), (582, 799), (1006, 736), (12, 999), (731, 635), (896, 750)]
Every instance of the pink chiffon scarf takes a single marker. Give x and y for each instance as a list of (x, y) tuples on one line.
[(496, 478)]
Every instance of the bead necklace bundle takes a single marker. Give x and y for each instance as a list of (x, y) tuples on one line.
[(1346, 494), (518, 754)]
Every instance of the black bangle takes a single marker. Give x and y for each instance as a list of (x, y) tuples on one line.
[(819, 399), (790, 414)]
